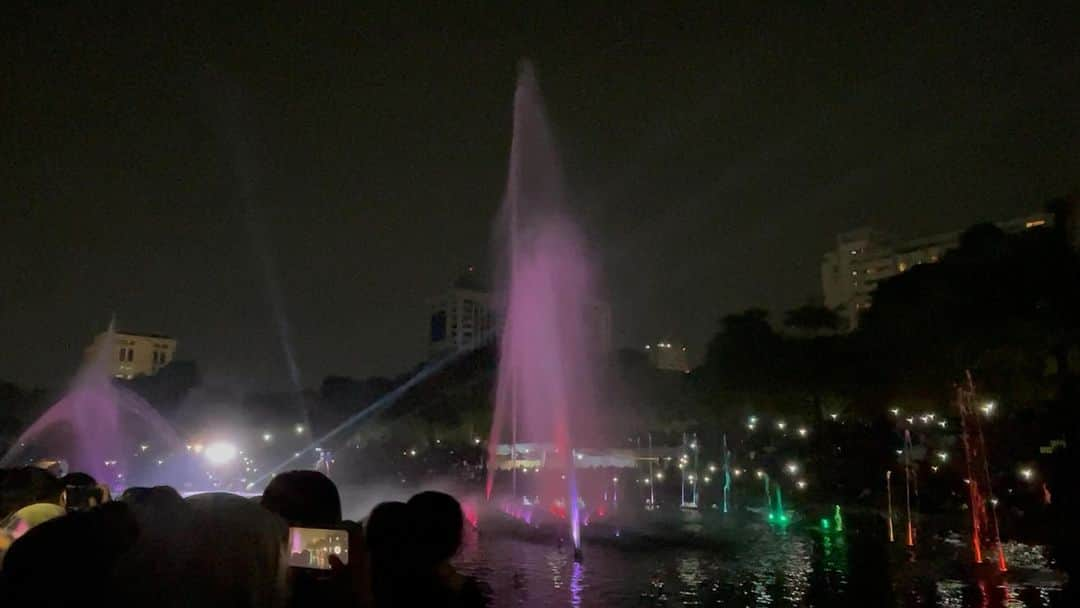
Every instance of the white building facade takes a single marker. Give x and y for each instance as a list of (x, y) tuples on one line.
[(864, 257), (133, 354)]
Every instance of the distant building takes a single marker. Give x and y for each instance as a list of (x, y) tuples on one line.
[(864, 257), (134, 354), (599, 322), (461, 318), (669, 356)]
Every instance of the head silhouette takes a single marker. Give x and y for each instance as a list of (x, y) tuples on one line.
[(303, 498), (438, 526)]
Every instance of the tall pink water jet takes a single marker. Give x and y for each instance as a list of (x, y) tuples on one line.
[(97, 427), (546, 387)]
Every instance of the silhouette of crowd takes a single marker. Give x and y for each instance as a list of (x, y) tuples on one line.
[(64, 541)]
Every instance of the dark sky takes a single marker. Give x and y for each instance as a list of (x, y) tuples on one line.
[(207, 172)]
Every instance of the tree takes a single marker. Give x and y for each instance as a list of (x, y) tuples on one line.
[(812, 319)]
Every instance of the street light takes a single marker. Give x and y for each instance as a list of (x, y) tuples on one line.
[(220, 452), (267, 437), (792, 468), (1027, 474)]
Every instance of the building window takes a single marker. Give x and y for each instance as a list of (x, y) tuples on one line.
[(131, 354), (123, 353)]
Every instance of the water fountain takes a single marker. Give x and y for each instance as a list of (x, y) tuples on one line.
[(727, 473), (97, 427), (546, 383), (907, 488), (984, 524)]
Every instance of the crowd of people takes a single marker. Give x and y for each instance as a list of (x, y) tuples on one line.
[(65, 541)]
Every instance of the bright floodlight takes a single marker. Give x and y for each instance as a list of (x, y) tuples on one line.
[(299, 429), (220, 452), (267, 437)]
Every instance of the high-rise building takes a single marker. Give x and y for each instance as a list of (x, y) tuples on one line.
[(864, 257), (668, 355), (461, 318), (133, 354), (599, 323)]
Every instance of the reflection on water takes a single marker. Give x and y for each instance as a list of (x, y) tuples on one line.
[(790, 568)]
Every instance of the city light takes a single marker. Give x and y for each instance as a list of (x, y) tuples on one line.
[(693, 445), (660, 477), (988, 408), (792, 468), (220, 452), (943, 456), (614, 480), (834, 415), (268, 437), (803, 432), (144, 447), (707, 479), (737, 472), (780, 424), (580, 456), (712, 468), (412, 452), (1027, 474), (299, 429), (941, 423), (198, 448), (801, 484), (760, 473), (895, 411)]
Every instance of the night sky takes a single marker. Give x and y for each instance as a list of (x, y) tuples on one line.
[(207, 173)]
